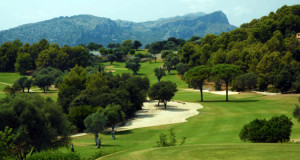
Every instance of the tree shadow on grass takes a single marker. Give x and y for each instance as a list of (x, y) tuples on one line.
[(124, 132)]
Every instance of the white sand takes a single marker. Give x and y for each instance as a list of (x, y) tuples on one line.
[(214, 92), (153, 115), (267, 93)]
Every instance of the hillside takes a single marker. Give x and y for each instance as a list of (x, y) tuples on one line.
[(83, 29)]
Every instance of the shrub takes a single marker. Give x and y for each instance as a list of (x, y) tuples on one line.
[(163, 142), (277, 129)]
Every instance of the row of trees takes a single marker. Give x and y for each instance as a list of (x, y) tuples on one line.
[(266, 48), (14, 56)]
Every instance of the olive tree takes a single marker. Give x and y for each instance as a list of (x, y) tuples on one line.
[(159, 73), (95, 123), (163, 91)]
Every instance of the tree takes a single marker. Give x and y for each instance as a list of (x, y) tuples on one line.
[(114, 115), (296, 112), (165, 53), (159, 73), (21, 82), (137, 44), (12, 89), (171, 61), (43, 81), (128, 44), (181, 68), (71, 87), (245, 81), (111, 45), (28, 84), (37, 123), (134, 65), (78, 114), (277, 129), (7, 139), (283, 81), (95, 123), (197, 75), (226, 72), (23, 63), (111, 58), (163, 91), (155, 48)]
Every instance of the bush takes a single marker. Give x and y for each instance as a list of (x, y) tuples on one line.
[(277, 129), (54, 155), (162, 142)]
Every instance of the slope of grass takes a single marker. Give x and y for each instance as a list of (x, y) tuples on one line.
[(216, 151)]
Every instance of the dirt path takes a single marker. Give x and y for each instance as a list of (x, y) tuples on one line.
[(153, 115)]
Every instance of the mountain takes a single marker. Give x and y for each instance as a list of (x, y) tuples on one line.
[(83, 29)]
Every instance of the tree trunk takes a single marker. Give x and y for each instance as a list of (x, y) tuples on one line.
[(165, 103), (44, 89), (200, 86), (28, 90), (158, 102), (158, 79), (113, 132), (96, 138), (226, 91), (169, 71), (111, 63), (155, 58), (23, 90)]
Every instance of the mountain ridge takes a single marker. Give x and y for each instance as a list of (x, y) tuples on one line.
[(83, 29)]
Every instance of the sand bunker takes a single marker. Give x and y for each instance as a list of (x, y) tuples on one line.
[(214, 92), (153, 115)]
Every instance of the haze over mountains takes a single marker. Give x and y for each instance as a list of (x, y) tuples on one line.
[(83, 29)]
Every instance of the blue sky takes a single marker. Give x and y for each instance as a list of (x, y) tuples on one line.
[(17, 12)]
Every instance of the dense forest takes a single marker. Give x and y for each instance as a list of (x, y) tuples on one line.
[(265, 48)]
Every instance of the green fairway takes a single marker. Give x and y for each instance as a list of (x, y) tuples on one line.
[(216, 126), (216, 151), (9, 78)]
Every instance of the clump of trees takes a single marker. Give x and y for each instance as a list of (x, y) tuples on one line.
[(81, 94), (277, 129), (31, 123)]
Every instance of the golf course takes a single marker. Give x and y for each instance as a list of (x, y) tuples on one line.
[(211, 134)]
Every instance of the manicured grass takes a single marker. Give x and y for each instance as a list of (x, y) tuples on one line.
[(10, 78), (214, 131), (144, 51), (216, 151)]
